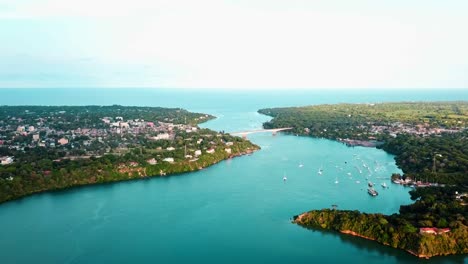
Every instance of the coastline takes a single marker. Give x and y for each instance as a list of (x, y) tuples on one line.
[(352, 233), (131, 178), (361, 143), (420, 246)]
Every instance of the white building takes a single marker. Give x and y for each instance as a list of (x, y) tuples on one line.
[(170, 148), (152, 161), (210, 151), (36, 137), (162, 136), (197, 152), (170, 160), (124, 125), (6, 160), (228, 150), (229, 143)]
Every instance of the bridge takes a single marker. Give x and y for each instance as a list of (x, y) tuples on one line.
[(247, 132)]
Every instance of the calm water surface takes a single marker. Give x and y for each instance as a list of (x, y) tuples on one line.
[(236, 211)]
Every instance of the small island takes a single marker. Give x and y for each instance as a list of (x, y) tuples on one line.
[(429, 141), (45, 148)]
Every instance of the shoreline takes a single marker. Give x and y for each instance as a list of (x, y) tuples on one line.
[(140, 177), (314, 223), (360, 143), (355, 234)]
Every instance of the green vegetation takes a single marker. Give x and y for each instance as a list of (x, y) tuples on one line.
[(429, 144), (436, 158), (370, 121), (402, 230), (50, 148)]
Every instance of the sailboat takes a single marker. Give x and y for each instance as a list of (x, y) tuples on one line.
[(285, 178), (320, 171)]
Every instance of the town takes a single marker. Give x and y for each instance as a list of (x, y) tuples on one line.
[(111, 143)]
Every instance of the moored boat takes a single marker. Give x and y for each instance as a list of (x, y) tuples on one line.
[(372, 192)]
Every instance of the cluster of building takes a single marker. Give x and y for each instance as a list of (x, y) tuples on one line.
[(43, 133), (122, 134), (420, 129), (196, 153)]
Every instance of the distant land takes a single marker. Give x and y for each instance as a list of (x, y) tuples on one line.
[(429, 141), (44, 148)]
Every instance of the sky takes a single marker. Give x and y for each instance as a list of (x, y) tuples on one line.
[(243, 44)]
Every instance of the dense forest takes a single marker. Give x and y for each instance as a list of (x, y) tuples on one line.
[(436, 158), (429, 141), (388, 230)]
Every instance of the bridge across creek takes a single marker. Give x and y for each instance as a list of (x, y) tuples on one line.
[(247, 132)]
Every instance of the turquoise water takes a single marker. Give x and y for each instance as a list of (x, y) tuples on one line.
[(236, 211)]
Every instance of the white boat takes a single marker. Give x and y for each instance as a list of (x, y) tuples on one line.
[(285, 178), (384, 185), (301, 165), (320, 171), (358, 169), (336, 181)]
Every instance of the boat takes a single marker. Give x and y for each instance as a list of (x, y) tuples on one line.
[(372, 192), (320, 171), (384, 185), (357, 168), (336, 181), (370, 184), (285, 178), (301, 165)]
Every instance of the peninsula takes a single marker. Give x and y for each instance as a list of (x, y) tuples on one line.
[(429, 141), (44, 148)]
